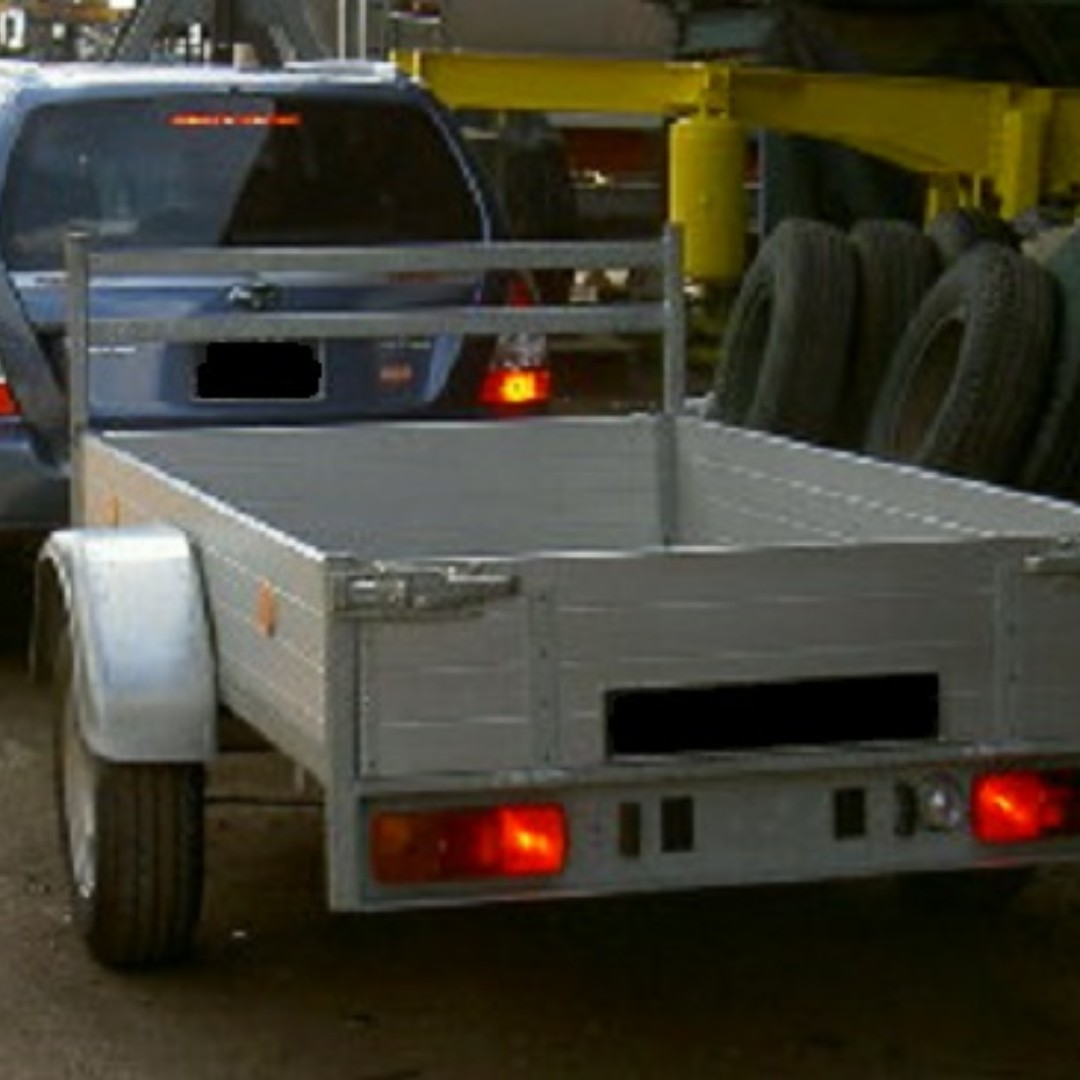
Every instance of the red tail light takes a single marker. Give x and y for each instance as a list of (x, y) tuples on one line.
[(468, 843), (8, 405), (234, 120), (1025, 805), (518, 376), (520, 292), (508, 387)]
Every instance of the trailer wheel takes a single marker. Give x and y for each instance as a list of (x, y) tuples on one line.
[(970, 373), (132, 838), (955, 232), (785, 346), (897, 264)]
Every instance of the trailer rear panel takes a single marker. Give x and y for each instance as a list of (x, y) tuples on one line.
[(458, 615)]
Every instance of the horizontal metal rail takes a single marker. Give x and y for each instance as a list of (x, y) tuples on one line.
[(479, 322), (86, 268), (401, 259)]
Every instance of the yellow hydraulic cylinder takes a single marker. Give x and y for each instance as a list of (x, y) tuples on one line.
[(707, 195)]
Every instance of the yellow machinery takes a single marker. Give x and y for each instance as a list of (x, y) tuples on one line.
[(49, 28), (66, 12), (978, 144)]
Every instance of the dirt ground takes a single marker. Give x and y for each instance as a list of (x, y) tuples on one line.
[(822, 983)]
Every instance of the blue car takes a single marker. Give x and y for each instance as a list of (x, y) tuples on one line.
[(143, 156)]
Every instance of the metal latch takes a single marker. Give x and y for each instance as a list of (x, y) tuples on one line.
[(389, 591)]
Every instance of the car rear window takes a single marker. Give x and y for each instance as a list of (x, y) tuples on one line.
[(244, 170)]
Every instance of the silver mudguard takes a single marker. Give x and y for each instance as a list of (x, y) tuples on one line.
[(132, 599)]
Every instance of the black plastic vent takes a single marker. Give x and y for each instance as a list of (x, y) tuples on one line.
[(810, 712)]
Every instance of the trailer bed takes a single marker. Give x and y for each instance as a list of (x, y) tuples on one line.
[(779, 565), (551, 657)]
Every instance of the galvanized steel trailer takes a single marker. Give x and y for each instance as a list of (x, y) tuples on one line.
[(558, 657)]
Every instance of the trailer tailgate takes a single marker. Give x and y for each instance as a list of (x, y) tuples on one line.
[(690, 653)]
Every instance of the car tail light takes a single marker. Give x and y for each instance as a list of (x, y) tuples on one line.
[(510, 387), (8, 405), (234, 120), (1024, 805), (514, 841), (518, 375)]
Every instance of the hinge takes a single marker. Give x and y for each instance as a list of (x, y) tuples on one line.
[(395, 591)]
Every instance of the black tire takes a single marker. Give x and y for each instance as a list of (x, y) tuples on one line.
[(955, 232), (897, 264), (785, 345), (1052, 464), (971, 371), (132, 840)]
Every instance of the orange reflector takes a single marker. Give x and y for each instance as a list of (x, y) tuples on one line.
[(516, 386), (469, 843), (8, 405), (1013, 807)]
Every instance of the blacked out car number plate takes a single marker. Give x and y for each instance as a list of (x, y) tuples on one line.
[(259, 371)]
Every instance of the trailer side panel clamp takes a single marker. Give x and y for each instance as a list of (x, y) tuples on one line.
[(393, 592)]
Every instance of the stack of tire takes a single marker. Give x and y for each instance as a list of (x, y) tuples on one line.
[(946, 348)]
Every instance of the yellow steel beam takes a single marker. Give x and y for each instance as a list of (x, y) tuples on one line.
[(90, 11), (1021, 141), (1061, 145), (557, 84), (929, 125)]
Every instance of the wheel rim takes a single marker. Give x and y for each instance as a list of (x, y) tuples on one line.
[(80, 812)]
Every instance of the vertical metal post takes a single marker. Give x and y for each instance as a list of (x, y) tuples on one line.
[(674, 321), (346, 22), (667, 434), (1023, 151), (77, 261), (362, 42)]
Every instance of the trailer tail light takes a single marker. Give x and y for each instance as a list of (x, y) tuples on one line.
[(8, 405), (425, 847), (1025, 805), (519, 375)]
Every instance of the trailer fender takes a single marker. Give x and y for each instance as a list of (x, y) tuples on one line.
[(132, 601)]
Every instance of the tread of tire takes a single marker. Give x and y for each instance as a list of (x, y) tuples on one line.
[(784, 349), (150, 862), (897, 264), (152, 868), (1052, 463), (1003, 305)]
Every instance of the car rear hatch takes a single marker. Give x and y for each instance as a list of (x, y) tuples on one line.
[(256, 381), (251, 169)]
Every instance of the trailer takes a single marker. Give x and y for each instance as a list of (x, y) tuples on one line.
[(551, 658)]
